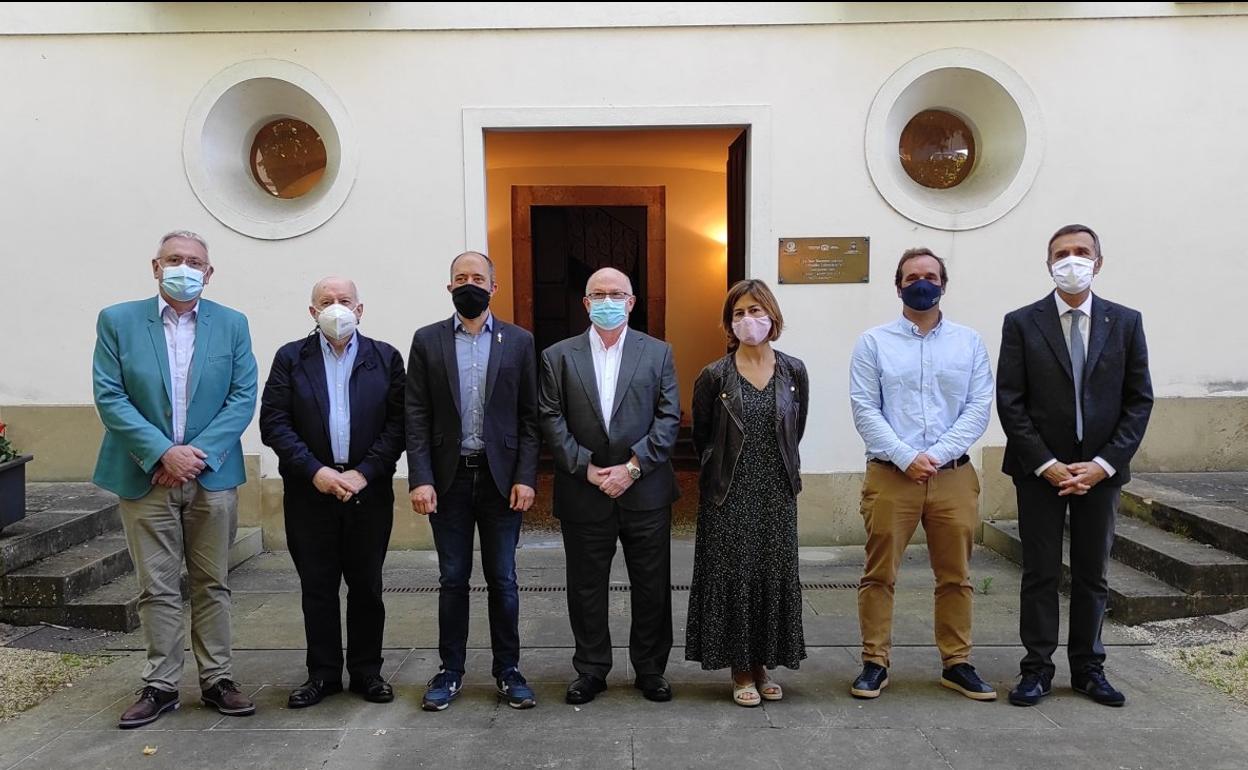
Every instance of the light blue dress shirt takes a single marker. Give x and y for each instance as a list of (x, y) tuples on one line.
[(472, 354), (338, 379), (912, 393)]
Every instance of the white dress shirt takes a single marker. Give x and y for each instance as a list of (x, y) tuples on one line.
[(606, 370), (1085, 325), (180, 343)]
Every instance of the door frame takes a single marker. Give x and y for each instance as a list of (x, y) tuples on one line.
[(762, 256), (524, 197)]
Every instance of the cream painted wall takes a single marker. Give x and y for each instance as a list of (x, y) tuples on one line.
[(1144, 120), (696, 216)]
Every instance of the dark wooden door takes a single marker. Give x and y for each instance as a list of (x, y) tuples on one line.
[(569, 244), (736, 207)]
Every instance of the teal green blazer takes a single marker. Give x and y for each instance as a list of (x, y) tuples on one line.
[(133, 395)]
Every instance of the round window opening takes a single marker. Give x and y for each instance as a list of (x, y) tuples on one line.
[(287, 158), (937, 149)]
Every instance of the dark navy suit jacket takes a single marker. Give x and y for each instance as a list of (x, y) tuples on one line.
[(294, 415)]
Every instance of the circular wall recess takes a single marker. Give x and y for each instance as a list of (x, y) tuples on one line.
[(227, 120), (1007, 135)]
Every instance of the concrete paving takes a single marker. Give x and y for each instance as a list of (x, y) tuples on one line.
[(1170, 720)]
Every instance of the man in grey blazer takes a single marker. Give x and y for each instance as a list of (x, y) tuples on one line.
[(610, 412)]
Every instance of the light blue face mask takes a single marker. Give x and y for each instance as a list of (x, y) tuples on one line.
[(181, 282), (608, 313)]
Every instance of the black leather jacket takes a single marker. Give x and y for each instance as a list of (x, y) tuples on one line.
[(719, 430)]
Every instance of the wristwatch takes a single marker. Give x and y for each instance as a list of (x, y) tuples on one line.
[(634, 470)]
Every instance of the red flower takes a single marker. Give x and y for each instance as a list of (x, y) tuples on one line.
[(2, 427)]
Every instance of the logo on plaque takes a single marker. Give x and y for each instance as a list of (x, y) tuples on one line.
[(825, 260)]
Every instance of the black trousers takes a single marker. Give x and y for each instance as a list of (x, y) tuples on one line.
[(330, 541), (590, 547), (1041, 521)]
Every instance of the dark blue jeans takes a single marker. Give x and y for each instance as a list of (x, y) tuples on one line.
[(473, 501)]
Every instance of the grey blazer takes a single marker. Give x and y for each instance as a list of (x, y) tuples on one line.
[(644, 421)]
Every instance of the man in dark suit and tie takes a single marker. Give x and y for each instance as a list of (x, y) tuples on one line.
[(610, 413), (332, 410), (1074, 397), (472, 444)]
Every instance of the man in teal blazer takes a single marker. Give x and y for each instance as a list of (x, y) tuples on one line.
[(175, 386)]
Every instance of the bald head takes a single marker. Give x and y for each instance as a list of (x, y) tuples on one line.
[(472, 267), (334, 289), (608, 280)]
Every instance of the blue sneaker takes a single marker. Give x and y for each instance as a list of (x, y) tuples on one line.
[(515, 690), (441, 690)]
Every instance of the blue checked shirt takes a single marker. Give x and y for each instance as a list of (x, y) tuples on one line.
[(912, 393), (472, 354)]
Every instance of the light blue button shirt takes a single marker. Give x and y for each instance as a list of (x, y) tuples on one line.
[(338, 380), (912, 393), (472, 354)]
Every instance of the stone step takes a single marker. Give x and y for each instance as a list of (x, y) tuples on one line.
[(77, 570), (1150, 500), (1134, 597), (58, 516), (115, 606), (1185, 564)]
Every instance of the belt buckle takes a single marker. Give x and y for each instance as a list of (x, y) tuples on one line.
[(472, 461), (339, 467)]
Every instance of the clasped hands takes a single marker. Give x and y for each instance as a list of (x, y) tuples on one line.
[(341, 484), (613, 481)]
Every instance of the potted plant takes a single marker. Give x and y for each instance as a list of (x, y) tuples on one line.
[(12, 482)]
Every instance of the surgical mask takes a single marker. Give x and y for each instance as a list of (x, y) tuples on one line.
[(921, 295), (752, 331), (470, 300), (181, 282), (337, 322), (1073, 275), (608, 314)]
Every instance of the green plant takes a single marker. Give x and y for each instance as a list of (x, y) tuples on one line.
[(7, 452), (985, 585)]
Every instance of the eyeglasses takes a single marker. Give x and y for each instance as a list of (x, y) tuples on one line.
[(174, 261), (599, 296)]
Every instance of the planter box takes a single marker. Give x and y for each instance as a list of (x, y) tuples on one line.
[(13, 490)]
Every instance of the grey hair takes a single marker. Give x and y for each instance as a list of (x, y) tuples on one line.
[(603, 270), (317, 286), (488, 262), (187, 234)]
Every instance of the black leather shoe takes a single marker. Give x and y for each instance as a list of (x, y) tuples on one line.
[(962, 678), (1094, 685), (654, 687), (152, 702), (584, 689), (312, 692), (374, 689), (1030, 690), (873, 678)]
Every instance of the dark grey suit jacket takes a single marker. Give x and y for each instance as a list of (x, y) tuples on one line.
[(644, 421), (1036, 390)]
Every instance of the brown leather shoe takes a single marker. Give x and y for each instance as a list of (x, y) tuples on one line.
[(225, 697), (152, 702)]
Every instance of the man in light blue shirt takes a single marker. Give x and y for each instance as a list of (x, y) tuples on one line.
[(921, 390)]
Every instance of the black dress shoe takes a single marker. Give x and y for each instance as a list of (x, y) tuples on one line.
[(374, 689), (1094, 685), (152, 702), (312, 692), (1030, 690), (584, 689), (654, 687)]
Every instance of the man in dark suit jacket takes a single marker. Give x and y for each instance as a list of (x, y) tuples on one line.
[(472, 444), (332, 410), (1074, 396), (610, 413)]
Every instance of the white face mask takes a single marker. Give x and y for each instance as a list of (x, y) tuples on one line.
[(1073, 275), (337, 322)]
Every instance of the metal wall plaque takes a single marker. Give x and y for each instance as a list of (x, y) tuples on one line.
[(825, 260)]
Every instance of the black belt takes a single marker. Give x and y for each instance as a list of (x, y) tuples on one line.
[(342, 468), (963, 460), (472, 461)]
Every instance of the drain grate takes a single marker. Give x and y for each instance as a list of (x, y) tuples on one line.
[(615, 588)]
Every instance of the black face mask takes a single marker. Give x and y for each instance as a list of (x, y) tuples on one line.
[(470, 300)]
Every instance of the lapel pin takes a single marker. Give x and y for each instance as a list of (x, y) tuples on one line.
[(500, 338)]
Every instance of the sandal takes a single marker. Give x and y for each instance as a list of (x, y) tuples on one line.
[(770, 690), (745, 695)]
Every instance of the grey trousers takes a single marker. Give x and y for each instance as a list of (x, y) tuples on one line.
[(162, 529)]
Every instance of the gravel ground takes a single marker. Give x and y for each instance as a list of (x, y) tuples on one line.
[(29, 676), (1213, 649)]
